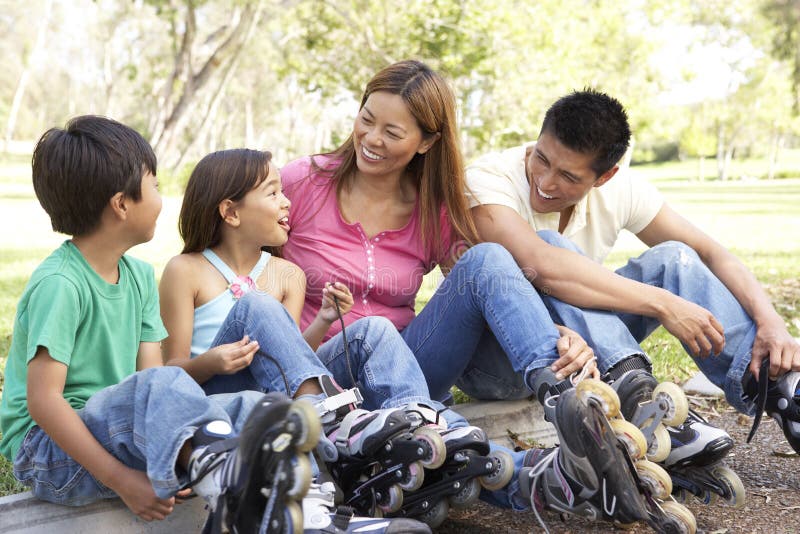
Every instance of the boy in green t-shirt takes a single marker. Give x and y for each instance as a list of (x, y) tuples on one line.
[(88, 412)]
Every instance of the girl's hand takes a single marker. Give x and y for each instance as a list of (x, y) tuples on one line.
[(573, 354), (327, 312), (231, 358)]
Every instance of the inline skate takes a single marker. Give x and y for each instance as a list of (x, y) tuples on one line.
[(602, 463), (254, 482), (469, 466), (374, 455), (779, 398), (690, 449), (322, 516)]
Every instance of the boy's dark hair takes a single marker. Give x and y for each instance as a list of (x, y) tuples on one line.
[(77, 170), (226, 174), (590, 122)]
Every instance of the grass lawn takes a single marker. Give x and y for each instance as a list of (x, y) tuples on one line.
[(759, 221)]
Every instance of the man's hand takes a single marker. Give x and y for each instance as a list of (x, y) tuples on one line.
[(773, 341), (574, 354), (694, 326), (137, 493), (231, 358)]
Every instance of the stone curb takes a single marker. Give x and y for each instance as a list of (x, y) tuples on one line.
[(22, 513)]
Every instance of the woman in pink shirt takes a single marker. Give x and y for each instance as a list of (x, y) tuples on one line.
[(387, 207)]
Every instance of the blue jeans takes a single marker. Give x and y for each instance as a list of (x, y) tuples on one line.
[(677, 268), (380, 364), (485, 289), (143, 422)]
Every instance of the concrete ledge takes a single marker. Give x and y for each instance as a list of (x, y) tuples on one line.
[(525, 418), (23, 513)]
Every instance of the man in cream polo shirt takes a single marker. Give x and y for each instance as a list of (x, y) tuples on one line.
[(559, 204)]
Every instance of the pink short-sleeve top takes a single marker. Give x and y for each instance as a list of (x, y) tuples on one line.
[(384, 272)]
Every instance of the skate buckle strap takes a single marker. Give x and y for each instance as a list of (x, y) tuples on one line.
[(342, 518), (334, 402), (761, 397), (343, 433), (631, 363)]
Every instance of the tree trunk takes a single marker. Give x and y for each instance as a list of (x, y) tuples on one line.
[(778, 140), (721, 168), (244, 24), (24, 77)]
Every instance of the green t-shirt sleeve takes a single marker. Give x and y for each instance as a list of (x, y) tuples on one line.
[(54, 313), (152, 327)]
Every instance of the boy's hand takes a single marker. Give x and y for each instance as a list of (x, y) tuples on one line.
[(694, 326), (574, 354), (327, 311), (137, 493), (231, 358)]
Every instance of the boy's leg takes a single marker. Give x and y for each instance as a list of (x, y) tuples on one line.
[(484, 286), (284, 359), (381, 365), (143, 421), (678, 269)]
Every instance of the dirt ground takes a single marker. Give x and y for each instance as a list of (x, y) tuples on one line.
[(767, 466)]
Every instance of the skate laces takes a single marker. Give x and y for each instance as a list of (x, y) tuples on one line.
[(535, 474), (344, 340), (760, 400), (579, 376)]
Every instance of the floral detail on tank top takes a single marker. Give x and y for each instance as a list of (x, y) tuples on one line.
[(240, 286)]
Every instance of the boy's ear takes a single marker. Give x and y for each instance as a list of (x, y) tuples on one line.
[(119, 205), (228, 212)]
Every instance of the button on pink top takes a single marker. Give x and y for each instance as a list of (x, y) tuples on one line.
[(384, 273)]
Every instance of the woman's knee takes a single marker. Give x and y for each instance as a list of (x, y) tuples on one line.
[(373, 327), (487, 253)]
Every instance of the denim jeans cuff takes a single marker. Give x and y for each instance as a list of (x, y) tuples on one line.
[(168, 482), (300, 378)]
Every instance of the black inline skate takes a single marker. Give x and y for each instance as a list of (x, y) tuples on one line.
[(469, 466), (373, 455), (690, 449), (602, 459), (254, 482)]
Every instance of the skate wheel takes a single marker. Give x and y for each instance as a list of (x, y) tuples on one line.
[(294, 518), (629, 435), (676, 399), (392, 500), (467, 495), (301, 478), (661, 445), (415, 478), (734, 489), (592, 388), (682, 515), (708, 498), (436, 515), (655, 479), (438, 453), (311, 426), (502, 474)]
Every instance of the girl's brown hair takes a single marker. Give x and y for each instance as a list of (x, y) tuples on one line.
[(227, 174), (438, 173)]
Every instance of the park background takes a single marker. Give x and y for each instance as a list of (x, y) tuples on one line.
[(711, 88)]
